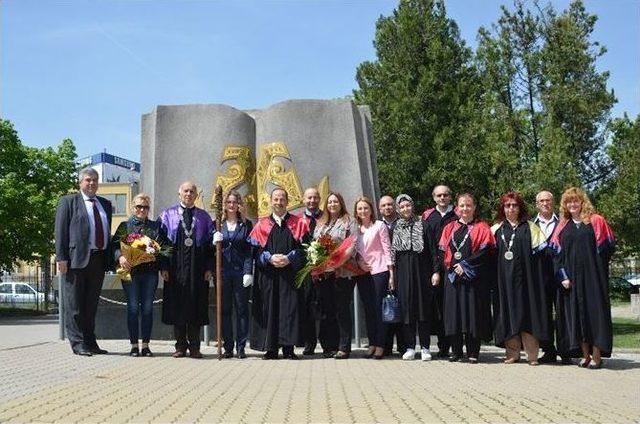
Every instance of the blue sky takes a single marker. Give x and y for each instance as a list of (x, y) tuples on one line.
[(88, 70)]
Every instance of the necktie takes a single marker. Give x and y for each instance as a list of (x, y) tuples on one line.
[(99, 236)]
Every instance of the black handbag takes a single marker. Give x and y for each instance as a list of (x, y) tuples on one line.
[(391, 309)]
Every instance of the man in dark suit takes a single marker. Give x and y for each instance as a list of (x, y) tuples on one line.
[(82, 233)]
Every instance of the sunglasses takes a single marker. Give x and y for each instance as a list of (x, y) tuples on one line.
[(142, 207), (511, 205)]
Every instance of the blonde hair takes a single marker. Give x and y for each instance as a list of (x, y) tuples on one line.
[(141, 196), (372, 215), (573, 193)]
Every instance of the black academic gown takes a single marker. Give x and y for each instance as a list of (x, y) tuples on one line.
[(185, 297), (276, 301), (413, 272), (521, 302), (435, 223), (467, 302), (584, 310)]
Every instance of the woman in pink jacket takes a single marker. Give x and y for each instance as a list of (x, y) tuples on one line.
[(374, 257)]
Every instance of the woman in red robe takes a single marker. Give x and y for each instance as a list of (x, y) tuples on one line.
[(465, 248)]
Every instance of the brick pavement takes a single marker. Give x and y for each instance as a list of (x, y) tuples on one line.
[(46, 383)]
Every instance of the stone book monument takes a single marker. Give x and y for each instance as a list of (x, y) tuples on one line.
[(294, 144)]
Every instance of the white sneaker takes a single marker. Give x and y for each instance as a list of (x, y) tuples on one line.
[(425, 354), (409, 355)]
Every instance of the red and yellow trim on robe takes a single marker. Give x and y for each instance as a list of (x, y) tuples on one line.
[(603, 232), (481, 237), (299, 227)]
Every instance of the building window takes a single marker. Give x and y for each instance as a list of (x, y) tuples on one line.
[(119, 203)]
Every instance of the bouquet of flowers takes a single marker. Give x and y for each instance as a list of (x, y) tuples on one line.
[(322, 254), (138, 249)]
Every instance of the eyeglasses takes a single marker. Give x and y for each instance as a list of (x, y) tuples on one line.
[(141, 207), (511, 205)]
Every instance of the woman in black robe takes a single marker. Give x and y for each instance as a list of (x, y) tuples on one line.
[(412, 255), (465, 251), (583, 244), (520, 314)]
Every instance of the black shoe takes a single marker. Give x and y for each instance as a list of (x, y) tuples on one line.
[(270, 354), (241, 354), (195, 353), (566, 361), (342, 355), (228, 354), (442, 354), (308, 352), (97, 351), (595, 366), (328, 353), (135, 352), (454, 358), (548, 358), (146, 352), (290, 355), (82, 352)]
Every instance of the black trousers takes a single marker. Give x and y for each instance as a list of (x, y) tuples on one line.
[(424, 333), (82, 287), (472, 343), (344, 308), (187, 336), (328, 332), (308, 316)]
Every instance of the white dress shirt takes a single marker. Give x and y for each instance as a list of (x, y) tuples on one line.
[(547, 226), (92, 224)]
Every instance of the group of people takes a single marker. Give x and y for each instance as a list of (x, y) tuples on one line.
[(521, 282)]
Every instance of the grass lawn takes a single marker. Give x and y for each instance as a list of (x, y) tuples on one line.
[(626, 333), (8, 311)]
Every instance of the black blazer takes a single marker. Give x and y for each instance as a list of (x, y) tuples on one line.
[(72, 231)]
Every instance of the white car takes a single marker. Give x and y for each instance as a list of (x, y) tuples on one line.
[(634, 279), (14, 292)]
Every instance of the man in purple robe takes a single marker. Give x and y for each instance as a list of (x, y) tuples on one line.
[(187, 273)]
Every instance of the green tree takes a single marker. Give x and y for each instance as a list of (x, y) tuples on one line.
[(618, 198), (31, 183), (546, 108), (423, 92)]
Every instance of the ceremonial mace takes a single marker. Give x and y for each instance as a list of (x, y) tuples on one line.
[(218, 212)]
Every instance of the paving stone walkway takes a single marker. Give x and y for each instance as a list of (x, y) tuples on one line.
[(46, 383)]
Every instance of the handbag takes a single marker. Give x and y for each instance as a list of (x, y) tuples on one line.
[(390, 309)]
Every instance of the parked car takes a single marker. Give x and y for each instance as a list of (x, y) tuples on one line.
[(634, 279), (15, 292)]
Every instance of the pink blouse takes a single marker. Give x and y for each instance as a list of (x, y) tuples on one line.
[(375, 248)]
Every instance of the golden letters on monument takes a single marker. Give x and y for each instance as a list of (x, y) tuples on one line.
[(270, 172)]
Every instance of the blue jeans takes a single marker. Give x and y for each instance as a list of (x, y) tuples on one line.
[(235, 296), (140, 292)]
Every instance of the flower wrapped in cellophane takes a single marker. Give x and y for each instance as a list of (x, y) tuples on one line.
[(138, 249), (323, 254)]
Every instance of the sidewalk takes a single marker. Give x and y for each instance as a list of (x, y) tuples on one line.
[(46, 383)]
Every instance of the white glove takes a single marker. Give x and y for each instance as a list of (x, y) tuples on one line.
[(247, 280), (217, 236)]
